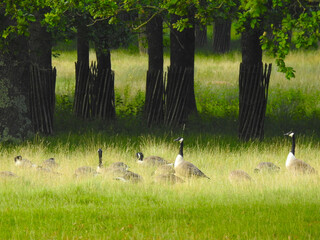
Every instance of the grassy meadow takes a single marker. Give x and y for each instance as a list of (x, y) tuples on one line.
[(39, 205)]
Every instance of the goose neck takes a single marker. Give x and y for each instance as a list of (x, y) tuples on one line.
[(181, 149), (100, 162), (293, 145)]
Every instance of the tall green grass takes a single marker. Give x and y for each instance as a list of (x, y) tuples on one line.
[(39, 205), (42, 206)]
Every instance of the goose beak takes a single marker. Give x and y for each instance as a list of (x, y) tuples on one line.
[(289, 134)]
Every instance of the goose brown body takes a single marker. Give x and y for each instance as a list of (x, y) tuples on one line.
[(50, 163), (150, 160), (187, 169), (266, 167), (299, 166), (164, 169), (166, 174), (85, 171), (238, 176), (129, 176), (168, 179), (7, 174)]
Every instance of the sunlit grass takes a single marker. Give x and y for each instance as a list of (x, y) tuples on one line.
[(217, 73), (39, 205)]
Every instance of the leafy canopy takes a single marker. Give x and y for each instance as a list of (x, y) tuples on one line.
[(284, 23)]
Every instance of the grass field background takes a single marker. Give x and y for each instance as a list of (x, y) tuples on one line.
[(278, 206)]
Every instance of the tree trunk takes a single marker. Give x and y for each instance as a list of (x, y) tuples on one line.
[(201, 35), (15, 116), (42, 76), (82, 68), (221, 36), (40, 44), (251, 48), (155, 85), (182, 48), (104, 79), (103, 58), (253, 87), (83, 45)]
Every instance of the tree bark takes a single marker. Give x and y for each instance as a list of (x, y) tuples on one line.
[(253, 87), (83, 45), (42, 76), (201, 35), (40, 44), (82, 68), (182, 49), (251, 48), (15, 116), (221, 36), (154, 84), (104, 78)]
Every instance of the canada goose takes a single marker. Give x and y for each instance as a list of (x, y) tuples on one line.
[(293, 164), (119, 165), (266, 167), (129, 176), (114, 169), (164, 169), (166, 174), (100, 166), (19, 161), (184, 168), (7, 174), (168, 179), (85, 171), (89, 171), (150, 160), (50, 163), (43, 169), (239, 176)]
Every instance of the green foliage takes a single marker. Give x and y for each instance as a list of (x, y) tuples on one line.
[(220, 103), (127, 107), (279, 19)]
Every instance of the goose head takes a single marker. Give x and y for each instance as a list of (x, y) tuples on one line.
[(179, 158), (17, 158), (290, 134), (179, 139), (139, 156), (291, 156), (100, 152)]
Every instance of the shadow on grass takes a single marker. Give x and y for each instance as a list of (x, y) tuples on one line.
[(217, 121), (199, 129)]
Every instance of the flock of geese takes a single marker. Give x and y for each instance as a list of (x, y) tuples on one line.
[(165, 172)]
